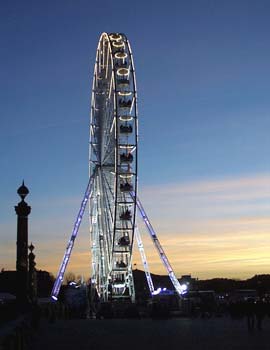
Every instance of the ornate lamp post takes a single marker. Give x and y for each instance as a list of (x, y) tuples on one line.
[(22, 211)]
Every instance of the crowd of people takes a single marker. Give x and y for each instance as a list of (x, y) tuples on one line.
[(254, 310)]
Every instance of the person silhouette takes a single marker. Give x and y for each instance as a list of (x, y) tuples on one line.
[(260, 313), (250, 313)]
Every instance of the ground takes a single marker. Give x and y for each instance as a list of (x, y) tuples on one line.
[(180, 333)]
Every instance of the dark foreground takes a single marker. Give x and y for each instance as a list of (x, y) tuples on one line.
[(182, 333)]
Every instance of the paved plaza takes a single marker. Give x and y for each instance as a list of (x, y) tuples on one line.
[(179, 333)]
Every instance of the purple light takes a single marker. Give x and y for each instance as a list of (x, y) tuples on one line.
[(158, 246), (59, 279), (156, 292)]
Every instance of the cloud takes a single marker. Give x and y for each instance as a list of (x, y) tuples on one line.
[(212, 227), (235, 254), (202, 200), (207, 228)]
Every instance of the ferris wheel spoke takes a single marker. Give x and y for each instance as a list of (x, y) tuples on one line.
[(108, 218), (110, 153), (109, 137), (104, 228), (109, 121), (109, 196)]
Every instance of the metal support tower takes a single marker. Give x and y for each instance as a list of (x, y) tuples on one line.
[(61, 272), (179, 289), (144, 261)]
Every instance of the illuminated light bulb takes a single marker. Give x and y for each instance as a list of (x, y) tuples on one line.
[(124, 93), (118, 44), (126, 146), (126, 117), (126, 176), (123, 71), (116, 37), (121, 55)]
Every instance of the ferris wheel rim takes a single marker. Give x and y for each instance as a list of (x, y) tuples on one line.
[(119, 50)]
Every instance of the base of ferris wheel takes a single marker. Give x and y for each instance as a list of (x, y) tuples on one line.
[(126, 286)]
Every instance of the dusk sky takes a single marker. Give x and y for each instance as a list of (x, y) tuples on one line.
[(203, 77)]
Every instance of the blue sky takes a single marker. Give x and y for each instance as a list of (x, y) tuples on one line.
[(203, 86)]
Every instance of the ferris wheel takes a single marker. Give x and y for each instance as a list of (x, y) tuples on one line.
[(112, 186), (113, 165)]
